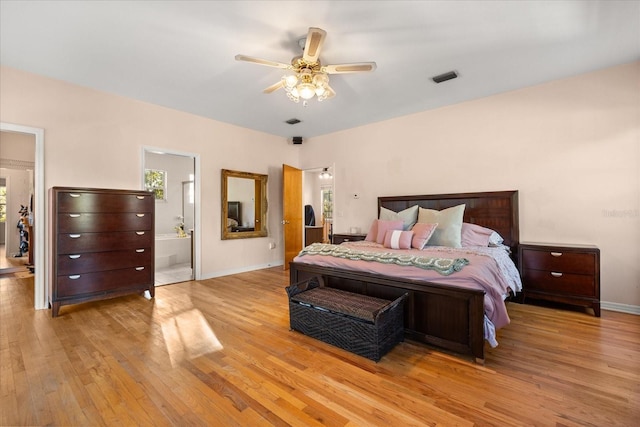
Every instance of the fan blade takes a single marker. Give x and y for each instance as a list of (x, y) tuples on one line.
[(263, 62), (273, 87), (315, 39), (349, 68)]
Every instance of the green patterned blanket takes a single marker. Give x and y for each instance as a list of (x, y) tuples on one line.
[(444, 266)]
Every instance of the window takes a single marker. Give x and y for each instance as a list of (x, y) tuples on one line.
[(156, 180)]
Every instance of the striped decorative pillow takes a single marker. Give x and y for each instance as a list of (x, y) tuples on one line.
[(398, 239)]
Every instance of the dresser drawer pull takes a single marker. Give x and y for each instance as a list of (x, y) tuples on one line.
[(75, 236), (139, 215), (74, 256), (554, 274), (74, 277), (139, 233), (556, 253), (74, 195), (139, 268), (74, 215), (139, 250), (140, 197)]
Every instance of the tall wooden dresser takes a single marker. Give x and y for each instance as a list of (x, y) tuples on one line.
[(102, 244)]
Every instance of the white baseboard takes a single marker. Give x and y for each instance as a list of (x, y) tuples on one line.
[(623, 308), (242, 270)]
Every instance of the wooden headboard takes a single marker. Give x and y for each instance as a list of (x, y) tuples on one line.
[(497, 210)]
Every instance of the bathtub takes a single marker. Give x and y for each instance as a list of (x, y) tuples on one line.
[(171, 249)]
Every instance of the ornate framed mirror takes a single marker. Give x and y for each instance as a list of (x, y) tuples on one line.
[(244, 205)]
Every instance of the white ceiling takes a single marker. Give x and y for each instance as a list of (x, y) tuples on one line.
[(180, 54)]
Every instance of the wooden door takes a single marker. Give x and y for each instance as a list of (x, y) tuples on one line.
[(291, 212)]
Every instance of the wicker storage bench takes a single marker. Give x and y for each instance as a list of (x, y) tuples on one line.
[(361, 324)]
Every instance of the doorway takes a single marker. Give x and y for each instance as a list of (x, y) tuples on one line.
[(172, 177), (30, 175), (307, 198), (317, 197)]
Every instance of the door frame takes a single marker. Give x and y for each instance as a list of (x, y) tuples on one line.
[(197, 270), (40, 294)]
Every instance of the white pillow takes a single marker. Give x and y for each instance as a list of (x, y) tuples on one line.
[(449, 230), (408, 216)]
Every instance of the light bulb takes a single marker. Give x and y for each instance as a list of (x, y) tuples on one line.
[(306, 90), (290, 80), (320, 79)]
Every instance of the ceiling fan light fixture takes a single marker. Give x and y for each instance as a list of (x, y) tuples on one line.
[(306, 76), (306, 84)]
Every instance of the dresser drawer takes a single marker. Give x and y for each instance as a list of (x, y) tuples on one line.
[(101, 222), (103, 261), (106, 281), (565, 262), (76, 243), (81, 201), (560, 283)]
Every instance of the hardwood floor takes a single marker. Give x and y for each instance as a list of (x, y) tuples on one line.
[(219, 352)]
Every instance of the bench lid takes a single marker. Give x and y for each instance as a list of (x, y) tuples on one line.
[(355, 305)]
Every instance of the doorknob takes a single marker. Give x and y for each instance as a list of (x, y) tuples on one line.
[(285, 222)]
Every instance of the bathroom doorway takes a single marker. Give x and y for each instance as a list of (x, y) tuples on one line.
[(172, 177)]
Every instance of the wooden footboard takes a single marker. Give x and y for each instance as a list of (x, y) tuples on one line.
[(444, 316)]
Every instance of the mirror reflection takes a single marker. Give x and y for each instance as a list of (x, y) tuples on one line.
[(244, 204)]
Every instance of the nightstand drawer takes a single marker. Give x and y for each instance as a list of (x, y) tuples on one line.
[(560, 283), (566, 262)]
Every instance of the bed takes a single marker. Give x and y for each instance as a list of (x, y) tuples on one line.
[(444, 315)]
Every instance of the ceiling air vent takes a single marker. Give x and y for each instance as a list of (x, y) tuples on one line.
[(444, 77), (293, 121)]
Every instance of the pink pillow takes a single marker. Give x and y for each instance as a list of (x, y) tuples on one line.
[(372, 235), (384, 226), (398, 239), (475, 235), (422, 232)]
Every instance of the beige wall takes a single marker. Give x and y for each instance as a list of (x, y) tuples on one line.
[(94, 139), (571, 147)]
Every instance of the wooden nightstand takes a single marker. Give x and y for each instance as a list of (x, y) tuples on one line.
[(568, 274), (347, 237)]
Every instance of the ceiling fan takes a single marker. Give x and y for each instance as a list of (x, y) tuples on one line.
[(307, 76)]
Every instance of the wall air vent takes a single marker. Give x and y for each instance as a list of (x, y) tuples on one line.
[(444, 77), (293, 121)]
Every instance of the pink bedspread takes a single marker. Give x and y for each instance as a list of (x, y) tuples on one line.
[(482, 272)]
